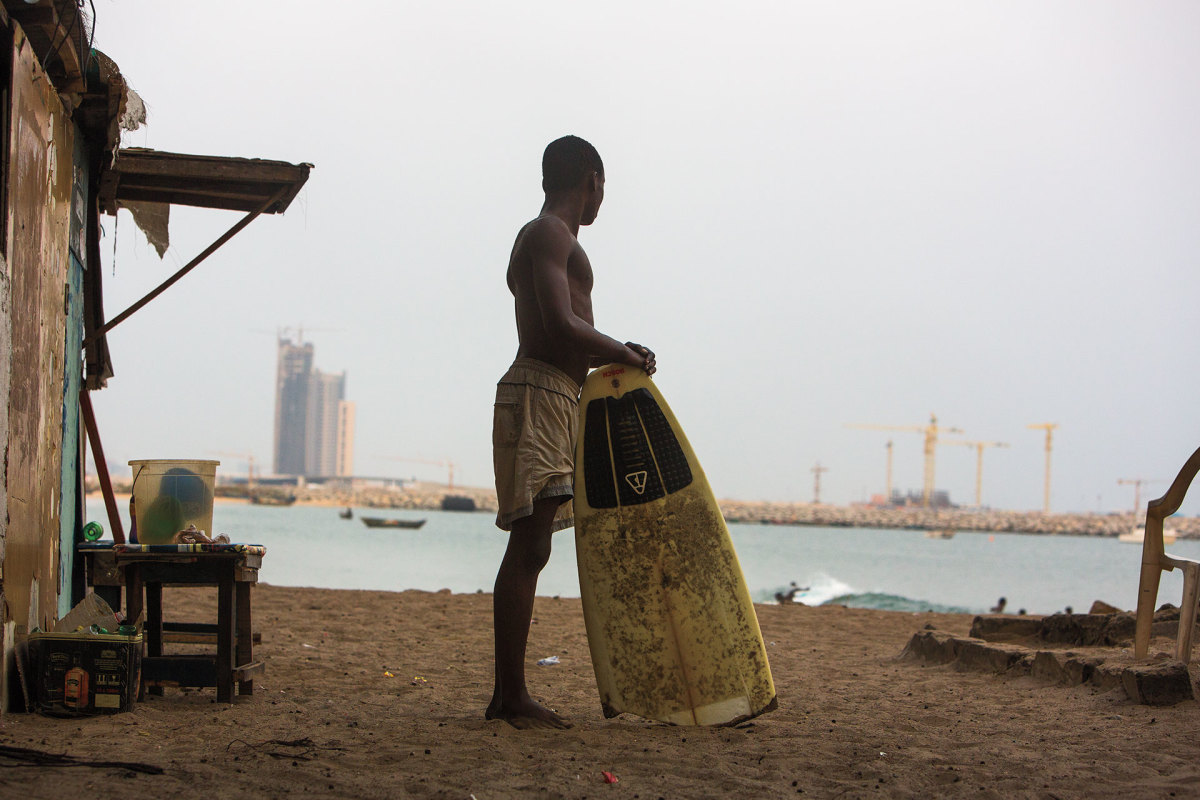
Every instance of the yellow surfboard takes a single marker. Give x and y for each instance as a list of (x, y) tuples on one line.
[(670, 622)]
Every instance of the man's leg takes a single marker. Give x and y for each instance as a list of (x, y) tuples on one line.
[(512, 600)]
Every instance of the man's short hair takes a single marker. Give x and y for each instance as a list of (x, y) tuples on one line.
[(567, 161)]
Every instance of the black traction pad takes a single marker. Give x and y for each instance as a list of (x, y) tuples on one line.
[(644, 462)]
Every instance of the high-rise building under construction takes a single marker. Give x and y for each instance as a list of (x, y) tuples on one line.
[(314, 423)]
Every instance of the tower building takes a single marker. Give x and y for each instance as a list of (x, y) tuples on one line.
[(291, 406), (314, 423)]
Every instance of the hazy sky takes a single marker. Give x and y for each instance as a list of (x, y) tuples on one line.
[(816, 213)]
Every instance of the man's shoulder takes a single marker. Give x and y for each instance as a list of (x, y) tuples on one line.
[(546, 233), (547, 226)]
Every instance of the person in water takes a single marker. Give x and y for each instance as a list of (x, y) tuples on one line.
[(790, 595), (535, 416)]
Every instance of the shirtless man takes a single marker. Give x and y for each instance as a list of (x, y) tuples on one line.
[(536, 411)]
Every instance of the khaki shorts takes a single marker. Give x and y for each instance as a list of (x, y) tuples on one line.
[(534, 424)]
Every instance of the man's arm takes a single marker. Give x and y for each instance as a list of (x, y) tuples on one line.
[(550, 247)]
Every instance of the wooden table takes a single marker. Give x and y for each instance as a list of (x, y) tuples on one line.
[(144, 574)]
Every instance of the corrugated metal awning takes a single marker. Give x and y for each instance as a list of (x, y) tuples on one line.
[(140, 175)]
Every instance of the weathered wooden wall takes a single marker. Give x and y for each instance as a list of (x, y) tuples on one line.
[(5, 342), (5, 371), (40, 178)]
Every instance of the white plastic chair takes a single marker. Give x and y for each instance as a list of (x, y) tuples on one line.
[(1155, 561)]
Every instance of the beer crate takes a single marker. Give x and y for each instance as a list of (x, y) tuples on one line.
[(84, 674)]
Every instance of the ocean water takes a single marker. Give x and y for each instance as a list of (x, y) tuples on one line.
[(898, 570)]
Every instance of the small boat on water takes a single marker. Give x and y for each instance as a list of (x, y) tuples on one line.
[(457, 502), (387, 522), (1137, 535), (272, 499), (347, 514), (943, 533)]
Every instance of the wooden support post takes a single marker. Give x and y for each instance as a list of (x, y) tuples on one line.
[(154, 622), (225, 637), (245, 637), (134, 599), (93, 435)]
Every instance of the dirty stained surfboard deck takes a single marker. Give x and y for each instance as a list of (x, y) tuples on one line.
[(670, 622)]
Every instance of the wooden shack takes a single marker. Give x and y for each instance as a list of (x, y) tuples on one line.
[(64, 107)]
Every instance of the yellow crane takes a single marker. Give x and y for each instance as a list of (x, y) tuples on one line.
[(816, 471), (931, 432), (1048, 427), (248, 458), (449, 465), (979, 448), (1136, 483), (887, 497)]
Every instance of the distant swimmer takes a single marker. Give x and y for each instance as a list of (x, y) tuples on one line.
[(536, 409), (999, 607), (790, 595)]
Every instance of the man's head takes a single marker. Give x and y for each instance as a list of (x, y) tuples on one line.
[(572, 165)]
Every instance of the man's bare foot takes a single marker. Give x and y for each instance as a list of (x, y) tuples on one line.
[(526, 715)]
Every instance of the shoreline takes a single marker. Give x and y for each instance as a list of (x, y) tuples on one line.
[(429, 497)]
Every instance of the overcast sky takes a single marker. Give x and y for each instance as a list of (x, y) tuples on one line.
[(816, 213)]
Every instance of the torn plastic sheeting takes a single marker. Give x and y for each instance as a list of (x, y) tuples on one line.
[(152, 220), (133, 116)]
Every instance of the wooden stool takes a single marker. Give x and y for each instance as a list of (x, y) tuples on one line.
[(145, 569)]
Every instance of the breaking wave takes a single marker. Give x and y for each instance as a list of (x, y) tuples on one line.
[(817, 590), (892, 602), (823, 589)]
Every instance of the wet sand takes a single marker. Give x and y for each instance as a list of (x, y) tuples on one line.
[(854, 720)]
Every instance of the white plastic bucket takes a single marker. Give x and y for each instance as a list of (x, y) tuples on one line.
[(170, 495)]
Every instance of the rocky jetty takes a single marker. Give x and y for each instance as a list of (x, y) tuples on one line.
[(987, 521), (430, 496)]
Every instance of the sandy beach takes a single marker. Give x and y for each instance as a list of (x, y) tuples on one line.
[(380, 695)]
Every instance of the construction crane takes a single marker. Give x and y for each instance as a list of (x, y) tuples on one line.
[(449, 465), (1048, 427), (1136, 483), (248, 458), (887, 498), (979, 447), (931, 432), (816, 471), (285, 331)]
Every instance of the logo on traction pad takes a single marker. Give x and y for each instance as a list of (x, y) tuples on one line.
[(637, 481)]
